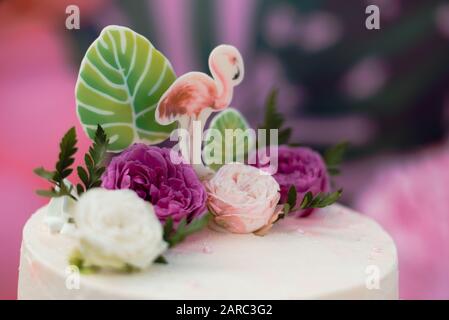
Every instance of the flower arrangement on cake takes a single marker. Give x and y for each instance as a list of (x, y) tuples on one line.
[(139, 195)]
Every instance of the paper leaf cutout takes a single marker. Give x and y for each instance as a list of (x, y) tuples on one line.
[(121, 79), (228, 119)]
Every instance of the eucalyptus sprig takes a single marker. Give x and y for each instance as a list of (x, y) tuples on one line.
[(94, 161), (173, 235), (273, 119), (67, 150)]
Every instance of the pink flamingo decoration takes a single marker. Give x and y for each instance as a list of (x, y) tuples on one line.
[(195, 95)]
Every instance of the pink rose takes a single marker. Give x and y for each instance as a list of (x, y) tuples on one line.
[(243, 199)]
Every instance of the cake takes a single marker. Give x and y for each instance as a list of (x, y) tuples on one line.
[(331, 255), (222, 214)]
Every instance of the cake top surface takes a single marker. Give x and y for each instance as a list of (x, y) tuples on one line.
[(329, 254)]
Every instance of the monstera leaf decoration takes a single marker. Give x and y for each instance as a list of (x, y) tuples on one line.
[(120, 82), (228, 147)]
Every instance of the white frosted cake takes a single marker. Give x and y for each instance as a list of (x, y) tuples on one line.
[(203, 219), (333, 254)]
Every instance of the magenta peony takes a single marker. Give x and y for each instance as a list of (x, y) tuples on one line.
[(298, 166), (173, 189)]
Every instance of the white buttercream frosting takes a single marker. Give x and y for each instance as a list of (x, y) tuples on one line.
[(333, 254), (59, 212)]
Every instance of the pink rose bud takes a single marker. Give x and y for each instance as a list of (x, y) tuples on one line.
[(242, 198)]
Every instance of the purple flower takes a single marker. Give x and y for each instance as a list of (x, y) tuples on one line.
[(173, 189), (298, 166)]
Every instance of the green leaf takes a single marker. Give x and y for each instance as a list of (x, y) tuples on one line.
[(127, 268), (161, 260), (333, 171), (273, 119), (41, 172), (284, 135), (286, 210), (79, 189), (236, 145), (94, 161), (82, 174), (168, 228), (98, 150), (66, 172), (295, 144), (331, 198), (95, 184), (101, 170), (308, 197), (121, 79), (76, 259), (290, 204), (197, 224), (314, 203), (178, 236), (88, 161), (86, 270), (67, 149), (321, 200), (47, 193), (334, 155), (291, 196), (183, 230)]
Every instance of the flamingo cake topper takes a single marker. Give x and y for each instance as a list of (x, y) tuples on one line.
[(195, 95)]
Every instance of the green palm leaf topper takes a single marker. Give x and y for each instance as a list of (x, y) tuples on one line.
[(231, 147), (121, 79)]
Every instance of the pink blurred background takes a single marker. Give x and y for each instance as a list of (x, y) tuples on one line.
[(403, 182)]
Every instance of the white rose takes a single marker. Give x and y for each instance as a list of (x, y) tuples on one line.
[(117, 228)]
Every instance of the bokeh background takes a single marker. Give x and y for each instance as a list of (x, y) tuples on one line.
[(385, 91)]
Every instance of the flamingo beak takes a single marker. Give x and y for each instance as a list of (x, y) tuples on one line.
[(237, 74)]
